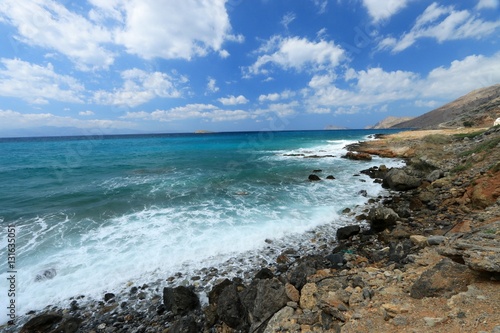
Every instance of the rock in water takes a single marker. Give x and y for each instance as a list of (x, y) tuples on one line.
[(46, 275), (314, 178), (180, 300)]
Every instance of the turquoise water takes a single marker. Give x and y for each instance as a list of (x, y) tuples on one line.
[(122, 207)]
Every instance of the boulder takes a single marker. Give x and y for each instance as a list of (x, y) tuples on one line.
[(231, 310), (180, 300), (445, 279), (314, 178), (381, 218), (41, 323), (298, 273), (358, 156), (185, 325), (399, 180), (347, 232)]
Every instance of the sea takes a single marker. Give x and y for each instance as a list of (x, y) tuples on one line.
[(92, 214)]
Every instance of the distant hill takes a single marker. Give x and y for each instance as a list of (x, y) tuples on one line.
[(389, 122), (478, 108)]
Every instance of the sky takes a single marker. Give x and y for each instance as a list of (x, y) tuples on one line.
[(168, 66)]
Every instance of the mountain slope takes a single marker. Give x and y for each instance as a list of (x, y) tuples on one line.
[(390, 122), (478, 108)]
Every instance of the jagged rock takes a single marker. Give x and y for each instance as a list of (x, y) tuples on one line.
[(264, 273), (41, 323), (213, 295), (281, 320), (314, 178), (297, 274), (262, 299), (231, 310), (399, 180), (348, 231), (381, 218), (445, 279), (308, 296), (337, 260), (418, 240), (180, 300), (434, 175), (358, 156), (185, 325)]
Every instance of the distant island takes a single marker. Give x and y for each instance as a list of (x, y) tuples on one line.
[(203, 132)]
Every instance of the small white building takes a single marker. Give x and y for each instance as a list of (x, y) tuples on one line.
[(497, 122)]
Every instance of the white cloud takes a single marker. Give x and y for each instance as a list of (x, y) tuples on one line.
[(488, 4), (15, 120), (191, 111), (86, 113), (233, 100), (443, 24), (298, 54), (48, 24), (140, 87), (381, 10), (376, 86), (287, 19), (212, 85), (321, 4), (174, 29), (276, 96), (37, 84), (279, 109)]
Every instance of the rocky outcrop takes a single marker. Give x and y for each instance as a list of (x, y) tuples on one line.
[(357, 156), (180, 300), (400, 180)]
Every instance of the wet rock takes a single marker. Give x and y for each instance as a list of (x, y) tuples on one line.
[(445, 279), (381, 218), (298, 273), (45, 275), (399, 180), (71, 325), (347, 232), (264, 273), (213, 295), (330, 177), (180, 300), (314, 178), (41, 323), (109, 297), (337, 260), (358, 156), (185, 325)]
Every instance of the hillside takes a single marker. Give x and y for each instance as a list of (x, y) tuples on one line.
[(478, 108), (390, 122)]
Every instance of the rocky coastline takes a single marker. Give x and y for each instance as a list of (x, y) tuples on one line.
[(424, 258)]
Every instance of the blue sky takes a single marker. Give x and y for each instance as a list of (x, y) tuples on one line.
[(138, 66)]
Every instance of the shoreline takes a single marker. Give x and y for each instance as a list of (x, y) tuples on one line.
[(364, 265)]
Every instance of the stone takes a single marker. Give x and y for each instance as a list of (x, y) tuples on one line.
[(279, 320), (445, 279), (358, 156), (347, 232), (435, 240), (399, 180), (314, 178), (109, 297), (230, 308), (330, 177), (292, 292), (298, 273), (418, 240), (307, 296), (41, 323), (264, 273), (45, 275), (431, 322), (71, 325), (434, 175), (381, 218), (184, 325), (337, 260), (180, 300), (213, 295)]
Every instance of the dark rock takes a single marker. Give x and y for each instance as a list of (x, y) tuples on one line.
[(317, 170), (348, 231), (363, 193), (230, 308), (445, 279), (185, 325), (398, 251), (314, 178), (108, 297), (336, 259), (263, 298), (330, 177), (71, 325), (41, 323), (376, 172), (213, 295), (399, 180), (264, 273), (180, 300), (298, 273), (358, 156), (381, 218)]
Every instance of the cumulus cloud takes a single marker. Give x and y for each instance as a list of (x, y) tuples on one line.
[(375, 86), (37, 84), (273, 97), (212, 85), (48, 24), (13, 119), (140, 87), (297, 53), (381, 10), (86, 113), (442, 23), (233, 100), (173, 29), (190, 111)]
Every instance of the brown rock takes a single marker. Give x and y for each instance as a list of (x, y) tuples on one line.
[(308, 296), (292, 292)]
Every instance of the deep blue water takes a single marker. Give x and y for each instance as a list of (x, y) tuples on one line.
[(124, 206)]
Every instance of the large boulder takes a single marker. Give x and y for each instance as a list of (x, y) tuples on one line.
[(445, 279), (42, 323), (231, 310), (399, 180), (358, 156), (348, 231), (381, 218), (180, 300)]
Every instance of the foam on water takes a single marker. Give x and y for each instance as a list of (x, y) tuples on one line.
[(182, 226)]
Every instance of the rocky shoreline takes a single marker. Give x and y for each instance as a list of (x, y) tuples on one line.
[(426, 259)]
